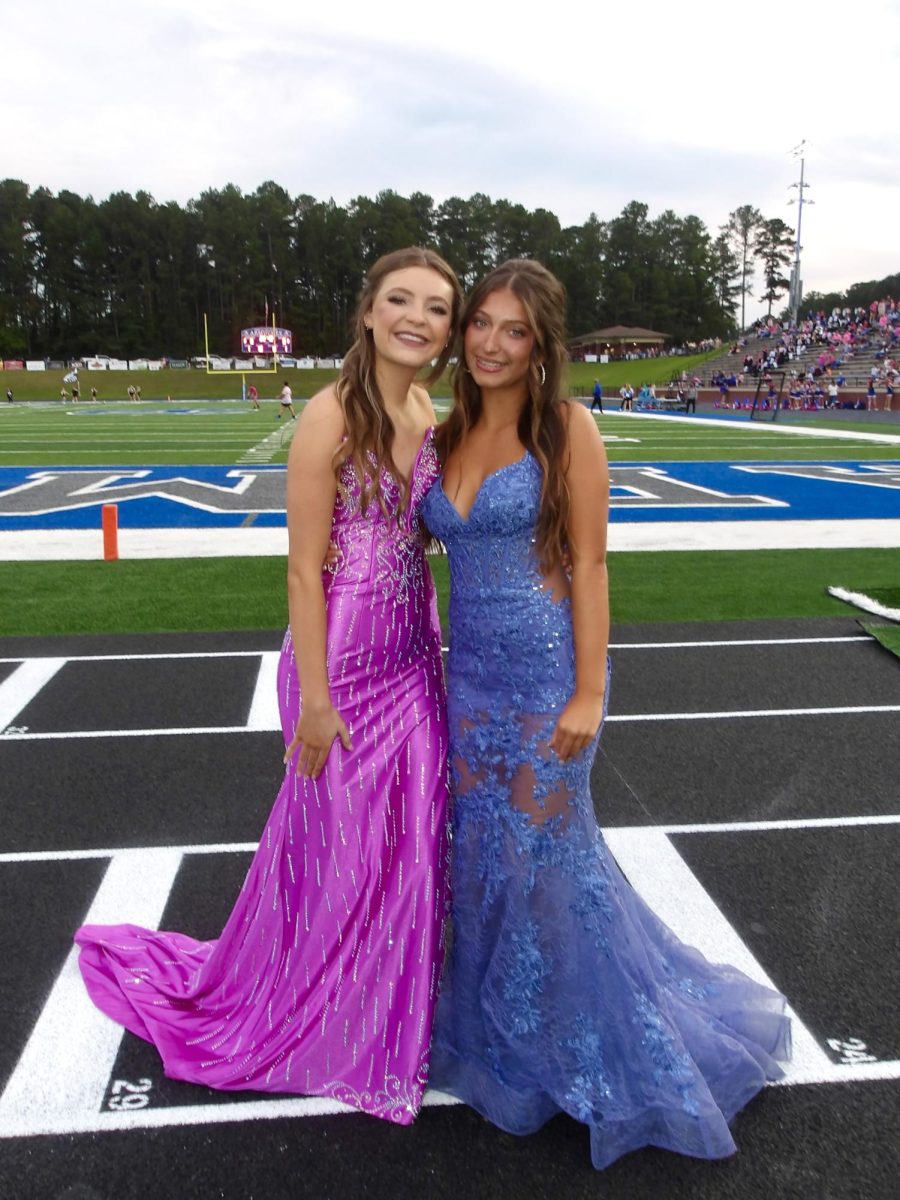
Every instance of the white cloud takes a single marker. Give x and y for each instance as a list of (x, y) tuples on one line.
[(577, 109)]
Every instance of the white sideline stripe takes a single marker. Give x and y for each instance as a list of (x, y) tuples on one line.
[(748, 426), (789, 641), (36, 545), (879, 533), (663, 879), (843, 710), (21, 687), (67, 1061), (264, 706), (786, 823)]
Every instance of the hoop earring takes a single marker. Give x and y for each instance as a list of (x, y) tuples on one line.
[(543, 375)]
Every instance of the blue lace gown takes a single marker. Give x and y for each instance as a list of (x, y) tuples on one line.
[(563, 991)]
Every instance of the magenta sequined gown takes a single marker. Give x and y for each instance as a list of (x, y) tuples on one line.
[(325, 978)]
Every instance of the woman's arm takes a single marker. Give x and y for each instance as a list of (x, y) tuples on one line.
[(587, 475), (311, 492)]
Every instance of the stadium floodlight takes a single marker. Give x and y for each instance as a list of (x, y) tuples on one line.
[(796, 291)]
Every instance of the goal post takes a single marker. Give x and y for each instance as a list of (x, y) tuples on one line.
[(245, 371)]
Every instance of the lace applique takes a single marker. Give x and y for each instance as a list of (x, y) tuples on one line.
[(590, 1089), (525, 969), (660, 1045)]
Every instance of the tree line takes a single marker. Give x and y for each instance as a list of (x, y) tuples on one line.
[(130, 276)]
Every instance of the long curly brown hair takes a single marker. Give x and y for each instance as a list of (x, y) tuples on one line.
[(370, 431), (541, 426)]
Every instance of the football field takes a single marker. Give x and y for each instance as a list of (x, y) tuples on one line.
[(747, 782)]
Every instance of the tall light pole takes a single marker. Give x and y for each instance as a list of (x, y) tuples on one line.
[(799, 200)]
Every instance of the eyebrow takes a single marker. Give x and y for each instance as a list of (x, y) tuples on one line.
[(480, 312), (407, 292)]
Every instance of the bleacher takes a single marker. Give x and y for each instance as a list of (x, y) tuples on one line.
[(856, 368)]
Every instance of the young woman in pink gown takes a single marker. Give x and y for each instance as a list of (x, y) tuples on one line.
[(325, 978)]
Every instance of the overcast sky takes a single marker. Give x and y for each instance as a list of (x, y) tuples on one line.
[(574, 107)]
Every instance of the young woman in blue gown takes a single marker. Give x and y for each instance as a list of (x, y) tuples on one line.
[(563, 992)]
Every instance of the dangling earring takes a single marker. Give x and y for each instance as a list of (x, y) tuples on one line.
[(543, 375)]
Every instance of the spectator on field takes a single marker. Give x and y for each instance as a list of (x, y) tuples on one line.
[(285, 401), (598, 396), (9, 395), (93, 394), (627, 394), (253, 396), (690, 397)]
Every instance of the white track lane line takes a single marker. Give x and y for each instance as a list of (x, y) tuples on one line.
[(796, 641), (49, 1095), (786, 823), (20, 688), (611, 719), (264, 705), (65, 1068), (663, 879)]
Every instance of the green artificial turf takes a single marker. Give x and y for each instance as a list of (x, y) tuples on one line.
[(222, 433), (142, 596), (194, 384), (888, 635)]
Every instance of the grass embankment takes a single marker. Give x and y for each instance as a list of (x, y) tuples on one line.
[(192, 384), (161, 595)]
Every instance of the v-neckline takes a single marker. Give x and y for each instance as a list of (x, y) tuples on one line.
[(408, 480), (491, 475)]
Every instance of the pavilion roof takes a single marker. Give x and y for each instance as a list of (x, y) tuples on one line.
[(620, 333)]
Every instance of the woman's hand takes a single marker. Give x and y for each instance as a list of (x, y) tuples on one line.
[(333, 558), (316, 730), (577, 725)]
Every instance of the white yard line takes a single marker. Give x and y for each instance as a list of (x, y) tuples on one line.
[(265, 451)]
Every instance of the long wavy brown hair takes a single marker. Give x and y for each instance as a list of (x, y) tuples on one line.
[(541, 427), (370, 431)]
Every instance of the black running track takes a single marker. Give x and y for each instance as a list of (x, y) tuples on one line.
[(781, 801)]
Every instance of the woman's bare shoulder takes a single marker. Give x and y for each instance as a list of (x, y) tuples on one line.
[(324, 407)]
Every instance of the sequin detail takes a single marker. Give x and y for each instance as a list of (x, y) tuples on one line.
[(325, 978), (563, 991)]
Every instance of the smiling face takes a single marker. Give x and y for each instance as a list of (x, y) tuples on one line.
[(410, 317), (499, 341)]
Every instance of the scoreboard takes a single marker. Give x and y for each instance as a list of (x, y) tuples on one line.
[(266, 339)]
